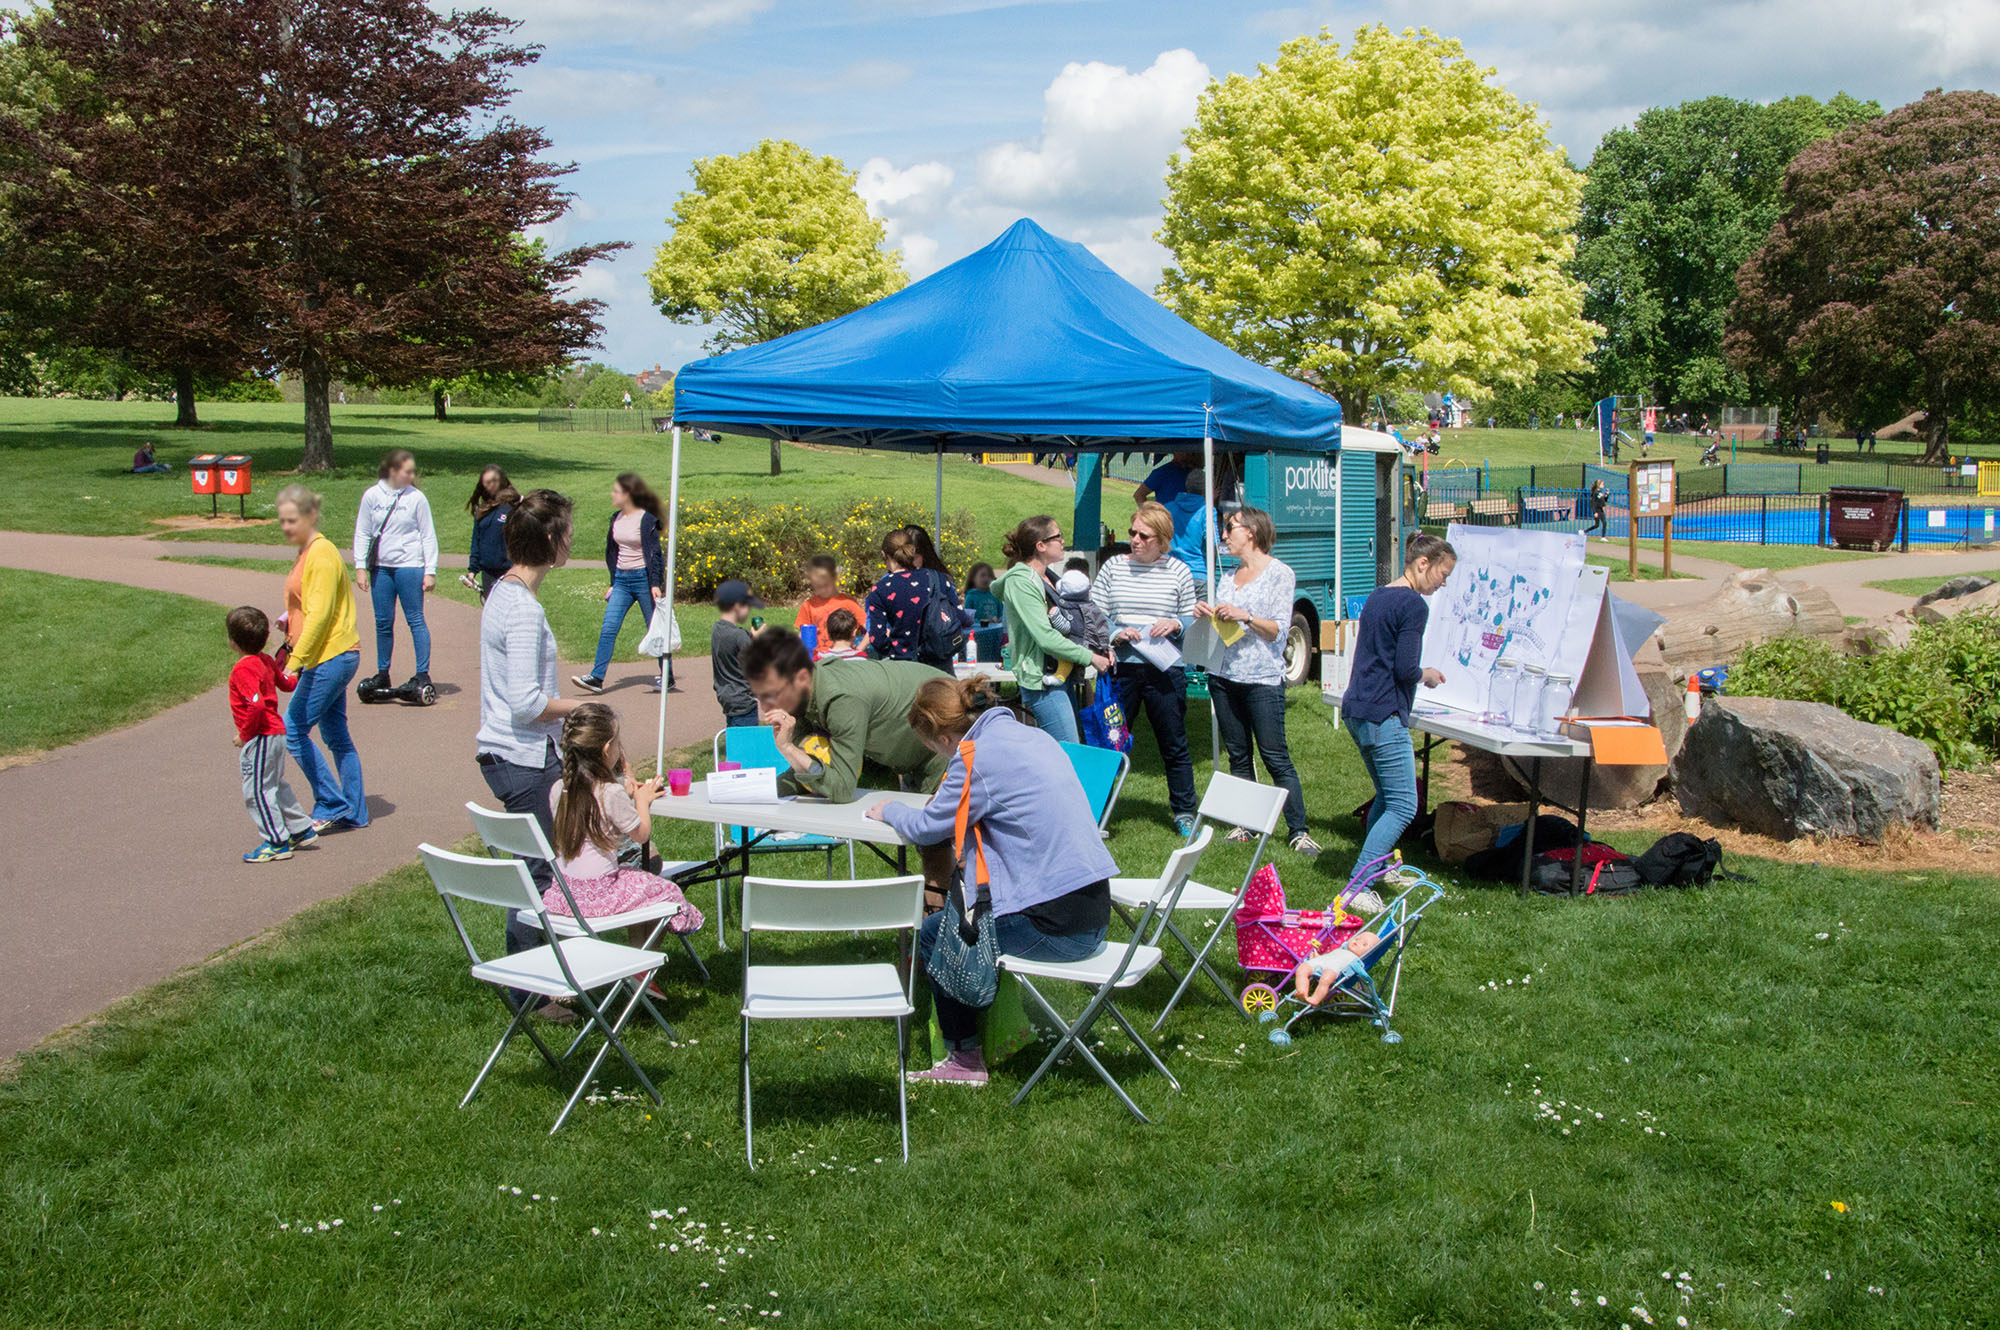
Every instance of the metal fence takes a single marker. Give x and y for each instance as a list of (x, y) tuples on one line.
[(635, 421), (1466, 484), (1752, 519)]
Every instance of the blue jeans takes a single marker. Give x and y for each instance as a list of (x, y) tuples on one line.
[(1392, 765), (629, 588), (156, 468), (1053, 711), (386, 586), (1246, 711), (1161, 695), (741, 720), (958, 1023), (320, 703)]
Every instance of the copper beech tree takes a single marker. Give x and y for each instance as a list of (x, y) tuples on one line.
[(1878, 290), (322, 186)]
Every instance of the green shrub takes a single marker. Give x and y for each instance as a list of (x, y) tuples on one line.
[(1943, 688), (766, 545)]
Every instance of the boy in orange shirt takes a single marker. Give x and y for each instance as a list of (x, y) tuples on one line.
[(823, 581)]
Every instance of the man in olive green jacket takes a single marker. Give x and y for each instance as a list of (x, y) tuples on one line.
[(863, 706)]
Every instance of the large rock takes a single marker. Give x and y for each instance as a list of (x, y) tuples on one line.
[(1788, 769), (1953, 588), (1891, 632), (1936, 609), (1752, 606)]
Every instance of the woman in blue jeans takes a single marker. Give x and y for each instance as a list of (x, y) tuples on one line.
[(638, 570), (1048, 873), (1387, 670), (396, 561)]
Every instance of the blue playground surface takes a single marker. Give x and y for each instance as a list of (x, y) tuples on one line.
[(1927, 526)]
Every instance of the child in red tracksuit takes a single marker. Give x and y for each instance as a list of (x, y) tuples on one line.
[(254, 685)]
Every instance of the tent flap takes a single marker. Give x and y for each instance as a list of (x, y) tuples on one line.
[(1027, 344)]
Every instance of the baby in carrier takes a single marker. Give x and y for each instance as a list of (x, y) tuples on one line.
[(1078, 618)]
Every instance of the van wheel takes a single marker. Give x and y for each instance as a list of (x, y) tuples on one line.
[(1299, 650)]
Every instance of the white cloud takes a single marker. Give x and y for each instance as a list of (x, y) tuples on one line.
[(904, 200), (1592, 65), (1106, 135)]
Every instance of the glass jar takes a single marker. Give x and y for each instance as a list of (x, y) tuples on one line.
[(1501, 687), (1556, 695), (1528, 702)]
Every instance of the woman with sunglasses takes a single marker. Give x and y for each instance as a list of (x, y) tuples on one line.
[(1254, 603), (1025, 591), (1150, 597)]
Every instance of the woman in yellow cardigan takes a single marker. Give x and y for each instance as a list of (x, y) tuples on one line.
[(326, 651)]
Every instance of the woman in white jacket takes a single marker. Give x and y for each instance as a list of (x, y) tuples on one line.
[(395, 559)]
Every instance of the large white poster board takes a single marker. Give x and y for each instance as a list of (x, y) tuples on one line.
[(1513, 593)]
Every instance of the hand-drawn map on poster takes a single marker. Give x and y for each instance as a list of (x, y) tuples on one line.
[(1510, 594)]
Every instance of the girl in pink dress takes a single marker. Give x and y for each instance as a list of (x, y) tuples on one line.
[(598, 806)]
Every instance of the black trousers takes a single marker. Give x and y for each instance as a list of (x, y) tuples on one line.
[(1162, 696)]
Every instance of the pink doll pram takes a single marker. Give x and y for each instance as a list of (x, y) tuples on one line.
[(1272, 940)]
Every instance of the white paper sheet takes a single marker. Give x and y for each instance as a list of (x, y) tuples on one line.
[(749, 785), (1162, 653), (1511, 593)]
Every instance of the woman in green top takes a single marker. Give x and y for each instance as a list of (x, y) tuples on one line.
[(1025, 589)]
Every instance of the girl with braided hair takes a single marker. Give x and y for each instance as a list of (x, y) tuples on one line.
[(598, 806)]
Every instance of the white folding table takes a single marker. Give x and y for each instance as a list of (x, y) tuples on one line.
[(803, 814)]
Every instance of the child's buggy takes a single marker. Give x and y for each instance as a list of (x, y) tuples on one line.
[(1274, 941)]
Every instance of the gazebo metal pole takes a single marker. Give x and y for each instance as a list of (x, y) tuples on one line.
[(1208, 539), (673, 540), (938, 530)]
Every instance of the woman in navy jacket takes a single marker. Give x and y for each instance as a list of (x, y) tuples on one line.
[(637, 566), (492, 499)]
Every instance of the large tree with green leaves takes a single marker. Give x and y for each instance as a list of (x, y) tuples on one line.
[(324, 186), (769, 242), (1878, 289), (1672, 206), (1381, 218)]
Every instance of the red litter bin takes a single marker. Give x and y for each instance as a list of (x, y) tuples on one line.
[(203, 472), (235, 470), (1861, 517)]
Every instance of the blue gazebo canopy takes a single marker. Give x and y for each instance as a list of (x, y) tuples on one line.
[(1029, 343)]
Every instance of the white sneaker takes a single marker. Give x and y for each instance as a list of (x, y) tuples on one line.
[(1365, 902)]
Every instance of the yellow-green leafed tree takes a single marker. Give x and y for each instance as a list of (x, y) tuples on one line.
[(768, 242), (1377, 219)]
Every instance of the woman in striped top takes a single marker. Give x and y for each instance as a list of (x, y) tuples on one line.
[(1147, 595)]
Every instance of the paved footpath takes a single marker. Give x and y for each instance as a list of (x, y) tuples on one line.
[(95, 915), (1845, 581)]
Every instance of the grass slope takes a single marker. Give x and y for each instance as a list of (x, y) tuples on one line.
[(1757, 1051), (84, 657), (66, 468)]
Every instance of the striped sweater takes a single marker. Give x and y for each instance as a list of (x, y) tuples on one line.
[(1133, 595)]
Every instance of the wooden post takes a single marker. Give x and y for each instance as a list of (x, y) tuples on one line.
[(1667, 546), (1632, 522)]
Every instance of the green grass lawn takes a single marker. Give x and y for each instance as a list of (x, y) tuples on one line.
[(84, 657), (66, 468), (572, 597), (1621, 569), (1757, 1051), (1920, 586)]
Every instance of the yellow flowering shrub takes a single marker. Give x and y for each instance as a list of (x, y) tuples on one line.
[(767, 545)]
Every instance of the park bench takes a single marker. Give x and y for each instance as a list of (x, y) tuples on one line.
[(1494, 512)]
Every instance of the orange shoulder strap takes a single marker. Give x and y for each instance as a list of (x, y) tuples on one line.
[(964, 814)]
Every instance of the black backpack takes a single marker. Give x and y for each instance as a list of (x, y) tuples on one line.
[(941, 633), (1679, 860)]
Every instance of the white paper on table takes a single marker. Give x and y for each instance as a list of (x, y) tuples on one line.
[(749, 785), (1162, 653)]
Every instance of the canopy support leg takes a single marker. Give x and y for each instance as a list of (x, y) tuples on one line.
[(673, 541), (1208, 540), (937, 531)]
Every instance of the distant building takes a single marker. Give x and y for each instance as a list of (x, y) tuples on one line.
[(654, 379)]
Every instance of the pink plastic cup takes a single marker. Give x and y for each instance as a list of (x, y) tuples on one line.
[(679, 781), (729, 766)]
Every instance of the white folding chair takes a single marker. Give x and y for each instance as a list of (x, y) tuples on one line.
[(565, 968), (520, 835), (1229, 801), (870, 990), (1116, 966)]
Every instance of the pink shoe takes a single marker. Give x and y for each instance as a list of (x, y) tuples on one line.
[(956, 1069)]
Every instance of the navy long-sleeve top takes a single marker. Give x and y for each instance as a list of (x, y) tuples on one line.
[(1387, 657)]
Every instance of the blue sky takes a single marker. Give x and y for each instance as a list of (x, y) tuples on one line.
[(962, 115)]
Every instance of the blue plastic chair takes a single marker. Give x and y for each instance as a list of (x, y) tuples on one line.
[(752, 746), (1102, 772)]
